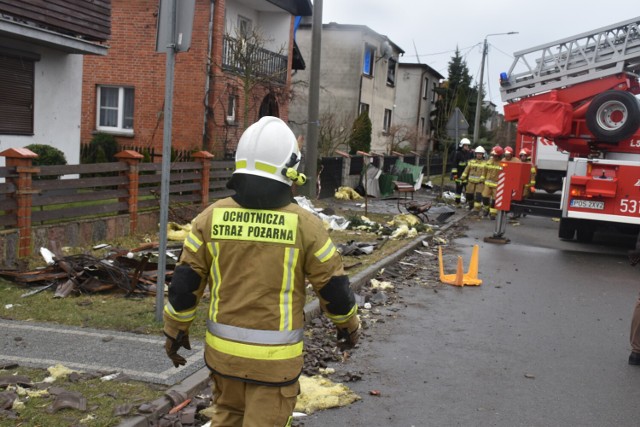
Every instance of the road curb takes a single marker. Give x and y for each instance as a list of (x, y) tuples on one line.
[(199, 380)]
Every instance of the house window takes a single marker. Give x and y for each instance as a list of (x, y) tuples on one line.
[(363, 107), (391, 72), (425, 88), (369, 60), (422, 122), (115, 109), (244, 26), (16, 102), (386, 125), (231, 110), (434, 94)]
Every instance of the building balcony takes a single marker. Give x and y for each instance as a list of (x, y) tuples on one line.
[(241, 57)]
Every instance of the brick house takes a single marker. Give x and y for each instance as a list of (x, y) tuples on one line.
[(123, 93), (42, 46)]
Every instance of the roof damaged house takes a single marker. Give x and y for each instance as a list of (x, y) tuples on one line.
[(358, 72)]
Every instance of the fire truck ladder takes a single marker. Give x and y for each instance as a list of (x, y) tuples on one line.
[(587, 56)]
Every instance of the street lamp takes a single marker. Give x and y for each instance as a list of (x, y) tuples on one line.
[(476, 123)]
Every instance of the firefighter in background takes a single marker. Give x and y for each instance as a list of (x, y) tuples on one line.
[(634, 335), (254, 250), (508, 155), (463, 155), (492, 169), (525, 157), (474, 176)]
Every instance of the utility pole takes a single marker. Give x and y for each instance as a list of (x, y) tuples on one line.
[(174, 35), (485, 48), (313, 112)]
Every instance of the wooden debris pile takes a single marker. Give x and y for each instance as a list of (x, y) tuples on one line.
[(132, 272)]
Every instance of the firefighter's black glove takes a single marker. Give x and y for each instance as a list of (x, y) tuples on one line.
[(346, 339), (172, 345)]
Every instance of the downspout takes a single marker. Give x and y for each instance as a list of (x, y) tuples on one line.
[(424, 73), (207, 82)]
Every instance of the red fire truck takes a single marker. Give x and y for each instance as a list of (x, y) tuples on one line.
[(580, 94)]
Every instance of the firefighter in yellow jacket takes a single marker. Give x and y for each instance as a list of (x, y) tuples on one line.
[(492, 169), (254, 250), (474, 175), (525, 157), (508, 155)]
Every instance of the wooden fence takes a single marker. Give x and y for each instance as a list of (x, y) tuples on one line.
[(36, 196), (32, 197)]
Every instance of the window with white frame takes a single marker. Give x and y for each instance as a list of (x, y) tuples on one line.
[(363, 107), (231, 110), (425, 88), (244, 26), (115, 109), (369, 60), (386, 125)]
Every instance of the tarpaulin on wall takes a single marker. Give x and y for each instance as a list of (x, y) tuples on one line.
[(549, 119)]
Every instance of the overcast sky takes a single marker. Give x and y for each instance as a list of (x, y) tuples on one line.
[(429, 31)]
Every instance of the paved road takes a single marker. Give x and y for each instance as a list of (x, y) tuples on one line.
[(543, 342), (139, 357)]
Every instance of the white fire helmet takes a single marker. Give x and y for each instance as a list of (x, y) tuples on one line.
[(268, 148), (464, 141), (480, 149)]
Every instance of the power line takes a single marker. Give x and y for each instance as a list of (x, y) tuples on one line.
[(440, 53)]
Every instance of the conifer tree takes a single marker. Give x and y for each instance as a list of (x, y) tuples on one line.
[(361, 135), (456, 91)]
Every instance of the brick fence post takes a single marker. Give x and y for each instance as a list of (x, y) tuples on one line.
[(22, 160), (204, 157), (132, 159)]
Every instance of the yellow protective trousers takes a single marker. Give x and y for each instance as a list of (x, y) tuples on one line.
[(240, 404)]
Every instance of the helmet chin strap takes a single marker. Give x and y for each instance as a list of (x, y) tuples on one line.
[(291, 173)]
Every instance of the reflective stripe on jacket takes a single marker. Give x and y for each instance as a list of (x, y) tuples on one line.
[(255, 262), (474, 171), (492, 170)]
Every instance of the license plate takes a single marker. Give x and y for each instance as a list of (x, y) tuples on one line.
[(587, 204)]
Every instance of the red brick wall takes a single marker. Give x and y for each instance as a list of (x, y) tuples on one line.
[(132, 61)]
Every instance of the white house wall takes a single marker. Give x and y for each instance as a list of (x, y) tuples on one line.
[(408, 85), (57, 103), (342, 85), (379, 96), (278, 25), (232, 10), (411, 108), (273, 26), (339, 77)]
